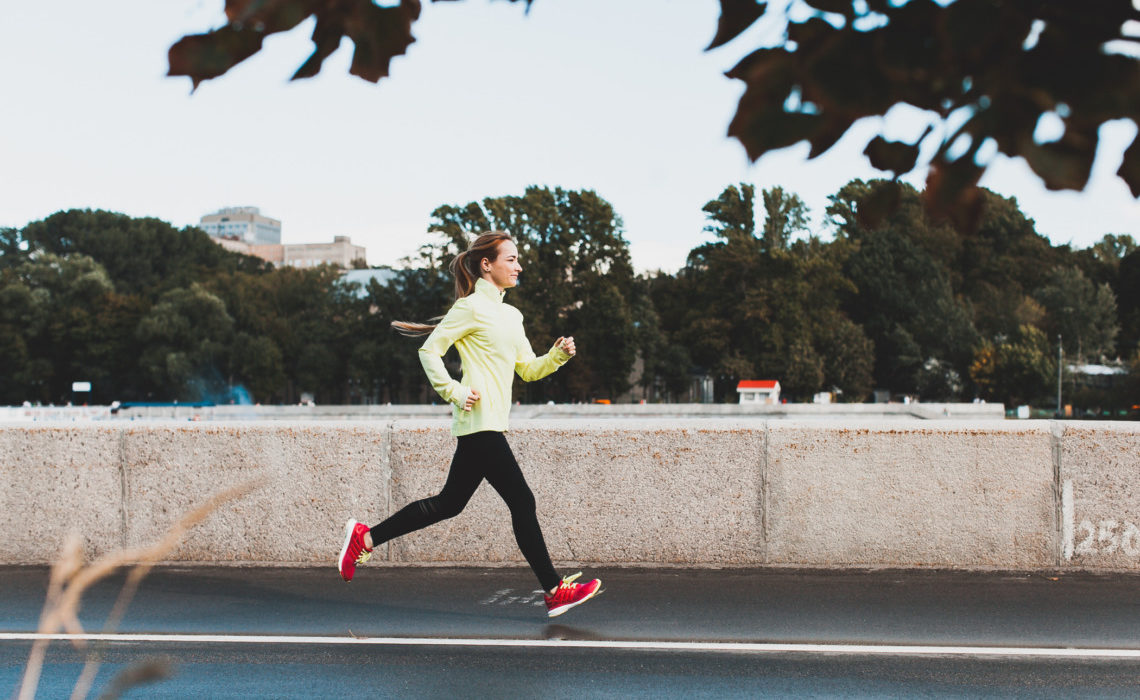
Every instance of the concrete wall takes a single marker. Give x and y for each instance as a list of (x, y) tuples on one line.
[(1100, 502), (1028, 495), (655, 411)]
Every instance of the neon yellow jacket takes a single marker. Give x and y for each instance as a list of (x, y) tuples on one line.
[(492, 346)]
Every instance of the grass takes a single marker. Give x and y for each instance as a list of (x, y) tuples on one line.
[(71, 577)]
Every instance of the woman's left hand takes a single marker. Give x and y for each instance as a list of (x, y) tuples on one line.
[(567, 345)]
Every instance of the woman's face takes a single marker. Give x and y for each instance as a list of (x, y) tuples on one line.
[(504, 271)]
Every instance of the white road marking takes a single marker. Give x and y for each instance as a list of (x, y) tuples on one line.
[(719, 647), (503, 597)]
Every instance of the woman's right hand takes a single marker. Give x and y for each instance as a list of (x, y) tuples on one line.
[(472, 397)]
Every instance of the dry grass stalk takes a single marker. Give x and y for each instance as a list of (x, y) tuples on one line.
[(70, 579), (149, 671)]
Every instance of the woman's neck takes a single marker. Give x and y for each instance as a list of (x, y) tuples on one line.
[(488, 280)]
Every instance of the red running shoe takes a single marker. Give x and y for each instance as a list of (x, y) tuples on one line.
[(568, 594), (353, 552)]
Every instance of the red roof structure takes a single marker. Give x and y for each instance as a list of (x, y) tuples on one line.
[(757, 384)]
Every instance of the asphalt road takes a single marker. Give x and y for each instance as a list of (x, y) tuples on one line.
[(420, 632)]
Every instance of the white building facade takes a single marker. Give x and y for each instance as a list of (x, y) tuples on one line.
[(765, 391), (244, 230), (245, 224)]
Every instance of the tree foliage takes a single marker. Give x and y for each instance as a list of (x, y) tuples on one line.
[(1017, 370), (1127, 289), (182, 338), (911, 305), (1083, 314), (904, 298), (984, 72), (54, 324), (785, 215), (748, 306)]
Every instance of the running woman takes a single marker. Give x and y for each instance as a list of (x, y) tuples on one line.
[(492, 345)]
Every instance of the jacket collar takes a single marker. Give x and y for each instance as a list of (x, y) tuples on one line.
[(488, 290)]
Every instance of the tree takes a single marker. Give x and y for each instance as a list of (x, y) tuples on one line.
[(998, 267), (604, 324), (1083, 314), (785, 216), (58, 323), (257, 366), (312, 325), (1015, 371), (747, 307), (183, 342), (145, 256), (849, 358), (12, 251), (649, 340), (1128, 298), (670, 299), (904, 301), (731, 216), (1111, 249), (984, 72), (16, 318), (1102, 264), (144, 310)]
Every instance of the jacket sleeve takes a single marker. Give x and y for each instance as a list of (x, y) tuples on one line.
[(458, 322), (531, 368)]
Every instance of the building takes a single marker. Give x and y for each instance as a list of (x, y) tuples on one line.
[(759, 391), (1097, 376), (340, 253), (362, 278), (244, 230), (244, 224)]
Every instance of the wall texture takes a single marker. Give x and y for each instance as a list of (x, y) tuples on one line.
[(1028, 495)]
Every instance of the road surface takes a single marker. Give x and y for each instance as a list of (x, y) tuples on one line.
[(446, 632)]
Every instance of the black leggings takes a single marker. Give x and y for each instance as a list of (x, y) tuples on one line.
[(479, 456)]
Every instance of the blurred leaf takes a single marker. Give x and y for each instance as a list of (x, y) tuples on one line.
[(761, 123), (827, 133), (735, 17), (842, 7), (269, 16), (149, 671), (947, 58), (952, 192), (812, 30), (942, 57), (895, 156), (773, 130), (326, 38), (379, 33), (1130, 167), (206, 56), (1064, 164)]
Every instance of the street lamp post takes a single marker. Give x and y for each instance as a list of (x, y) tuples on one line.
[(1060, 361)]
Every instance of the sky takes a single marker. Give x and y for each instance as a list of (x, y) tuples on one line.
[(616, 96)]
